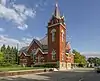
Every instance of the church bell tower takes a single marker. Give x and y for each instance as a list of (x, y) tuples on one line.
[(57, 38)]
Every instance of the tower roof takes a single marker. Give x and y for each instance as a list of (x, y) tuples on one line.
[(57, 12)]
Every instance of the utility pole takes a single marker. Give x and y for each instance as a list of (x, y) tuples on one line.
[(17, 61)]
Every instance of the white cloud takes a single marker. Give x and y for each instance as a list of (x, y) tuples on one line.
[(8, 41), (4, 39), (17, 13), (23, 27), (1, 30), (37, 38), (23, 11), (91, 54), (3, 2), (27, 40)]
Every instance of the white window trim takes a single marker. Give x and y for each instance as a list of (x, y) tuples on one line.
[(62, 35), (58, 24), (53, 36), (53, 32), (53, 54)]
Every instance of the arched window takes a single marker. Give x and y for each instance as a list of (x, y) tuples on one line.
[(33, 53), (62, 35), (53, 32), (53, 54), (39, 58)]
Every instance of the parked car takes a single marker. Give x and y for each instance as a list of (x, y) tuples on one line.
[(97, 69)]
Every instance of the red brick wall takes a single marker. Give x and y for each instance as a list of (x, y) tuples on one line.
[(62, 44), (39, 54), (33, 46), (58, 45), (44, 57), (53, 45), (22, 59), (27, 60), (22, 55)]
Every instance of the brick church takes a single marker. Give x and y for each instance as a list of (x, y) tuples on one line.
[(52, 49)]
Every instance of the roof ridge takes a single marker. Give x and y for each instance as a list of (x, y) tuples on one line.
[(43, 38)]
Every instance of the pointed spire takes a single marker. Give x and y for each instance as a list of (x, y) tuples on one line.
[(57, 13)]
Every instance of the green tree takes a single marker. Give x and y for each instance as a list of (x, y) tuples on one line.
[(78, 58), (1, 58), (8, 54), (90, 60), (83, 60), (3, 48), (16, 54), (12, 55), (94, 60)]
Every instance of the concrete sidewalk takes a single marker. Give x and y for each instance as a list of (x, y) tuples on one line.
[(83, 69), (23, 72)]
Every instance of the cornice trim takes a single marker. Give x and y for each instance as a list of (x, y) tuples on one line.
[(57, 24)]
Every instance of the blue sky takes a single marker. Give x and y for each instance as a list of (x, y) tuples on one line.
[(23, 20)]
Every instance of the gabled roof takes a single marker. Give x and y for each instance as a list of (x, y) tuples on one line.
[(23, 53), (38, 50), (37, 42), (45, 48), (44, 41), (23, 50)]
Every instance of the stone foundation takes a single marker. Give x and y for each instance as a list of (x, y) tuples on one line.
[(68, 65), (64, 66)]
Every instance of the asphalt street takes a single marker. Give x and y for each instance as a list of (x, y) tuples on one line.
[(76, 75)]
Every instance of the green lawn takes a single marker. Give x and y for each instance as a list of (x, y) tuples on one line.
[(2, 69)]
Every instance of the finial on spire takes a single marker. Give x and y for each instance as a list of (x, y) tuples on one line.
[(57, 13), (56, 3)]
